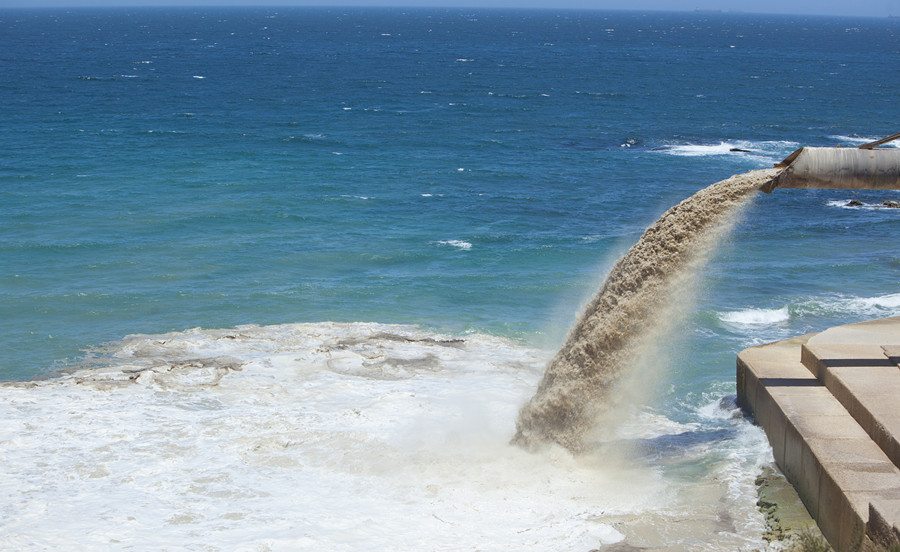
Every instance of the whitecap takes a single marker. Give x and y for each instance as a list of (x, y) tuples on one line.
[(883, 304), (755, 317), (775, 150), (459, 244), (859, 140), (841, 306), (697, 150)]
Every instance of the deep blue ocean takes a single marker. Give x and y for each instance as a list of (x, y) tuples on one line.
[(466, 171)]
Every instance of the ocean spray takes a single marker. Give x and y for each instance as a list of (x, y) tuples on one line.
[(620, 326)]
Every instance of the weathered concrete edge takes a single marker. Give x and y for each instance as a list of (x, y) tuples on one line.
[(791, 452), (867, 408), (880, 530), (839, 475)]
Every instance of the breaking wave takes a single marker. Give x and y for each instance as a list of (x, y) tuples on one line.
[(774, 150), (751, 317)]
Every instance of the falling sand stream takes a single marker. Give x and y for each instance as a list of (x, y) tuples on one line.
[(631, 309)]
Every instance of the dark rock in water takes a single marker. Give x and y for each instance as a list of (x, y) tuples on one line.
[(891, 204), (786, 517), (739, 150), (728, 402), (854, 203)]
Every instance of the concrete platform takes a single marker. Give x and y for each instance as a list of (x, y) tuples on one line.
[(830, 406)]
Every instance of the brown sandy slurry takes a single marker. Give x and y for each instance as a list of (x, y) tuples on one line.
[(633, 305)]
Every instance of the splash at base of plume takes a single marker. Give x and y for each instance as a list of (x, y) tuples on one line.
[(632, 307)]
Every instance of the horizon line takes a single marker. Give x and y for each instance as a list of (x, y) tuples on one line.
[(417, 6)]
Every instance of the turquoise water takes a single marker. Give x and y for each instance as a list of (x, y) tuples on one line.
[(226, 183)]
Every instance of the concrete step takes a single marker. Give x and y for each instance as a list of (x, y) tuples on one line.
[(867, 384), (846, 481)]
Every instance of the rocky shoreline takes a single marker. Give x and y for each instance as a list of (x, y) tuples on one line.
[(786, 516)]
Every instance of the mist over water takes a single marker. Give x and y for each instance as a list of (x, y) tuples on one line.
[(620, 327)]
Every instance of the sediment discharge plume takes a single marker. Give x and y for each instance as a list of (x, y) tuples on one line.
[(632, 305)]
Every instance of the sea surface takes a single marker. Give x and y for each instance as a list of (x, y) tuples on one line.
[(281, 278)]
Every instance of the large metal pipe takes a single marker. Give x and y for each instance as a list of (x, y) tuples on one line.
[(840, 168)]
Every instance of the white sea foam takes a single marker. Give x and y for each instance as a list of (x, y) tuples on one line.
[(326, 436), (459, 244), (694, 150), (754, 317), (887, 305), (768, 149), (845, 204), (858, 140), (850, 307), (767, 325)]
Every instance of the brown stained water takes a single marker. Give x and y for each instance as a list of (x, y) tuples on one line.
[(633, 306)]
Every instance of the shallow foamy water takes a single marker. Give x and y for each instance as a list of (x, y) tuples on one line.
[(341, 436)]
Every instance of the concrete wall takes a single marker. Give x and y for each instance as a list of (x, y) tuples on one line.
[(829, 406)]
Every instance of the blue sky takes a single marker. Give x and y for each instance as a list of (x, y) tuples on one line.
[(869, 8)]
